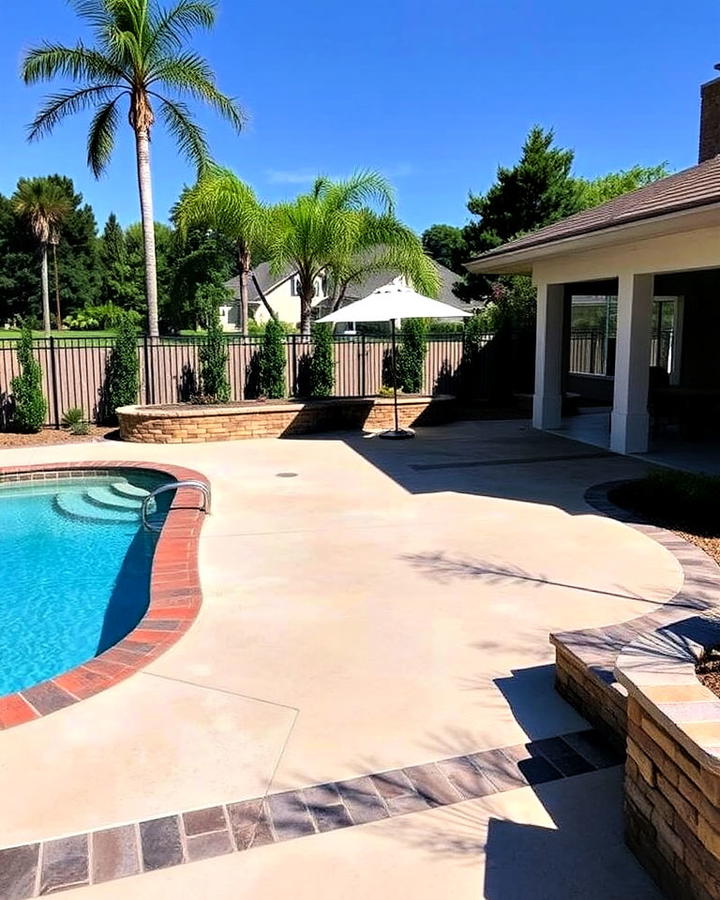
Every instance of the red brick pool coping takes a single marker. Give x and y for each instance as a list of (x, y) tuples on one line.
[(175, 596)]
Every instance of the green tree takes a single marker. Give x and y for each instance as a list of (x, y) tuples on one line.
[(322, 363), (45, 205), (119, 287), (138, 57), (272, 361), (122, 372), (30, 406), (221, 202), (594, 191), (446, 245), (213, 353), (344, 230), (199, 255), (411, 355)]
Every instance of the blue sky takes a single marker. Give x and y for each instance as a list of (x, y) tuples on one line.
[(434, 94)]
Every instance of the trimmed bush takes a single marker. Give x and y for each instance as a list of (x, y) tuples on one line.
[(30, 405), (213, 356), (272, 361), (322, 364), (411, 355), (122, 372)]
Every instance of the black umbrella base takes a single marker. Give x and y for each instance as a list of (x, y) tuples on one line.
[(397, 434)]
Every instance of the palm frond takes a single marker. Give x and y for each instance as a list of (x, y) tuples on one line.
[(170, 27), (78, 63), (66, 103), (189, 136), (101, 137), (189, 74)]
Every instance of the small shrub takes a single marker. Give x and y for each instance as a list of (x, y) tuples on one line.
[(411, 355), (30, 405), (75, 422), (105, 316), (272, 361), (122, 372), (213, 356), (322, 364), (386, 390)]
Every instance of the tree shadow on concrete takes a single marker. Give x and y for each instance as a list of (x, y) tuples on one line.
[(442, 567)]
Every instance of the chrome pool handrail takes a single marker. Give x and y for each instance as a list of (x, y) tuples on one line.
[(172, 486)]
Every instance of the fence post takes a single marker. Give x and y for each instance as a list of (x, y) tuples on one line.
[(148, 373), (363, 367), (53, 366)]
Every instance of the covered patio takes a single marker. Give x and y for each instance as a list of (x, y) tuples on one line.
[(641, 275)]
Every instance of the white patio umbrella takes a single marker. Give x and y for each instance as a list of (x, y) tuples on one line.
[(388, 304)]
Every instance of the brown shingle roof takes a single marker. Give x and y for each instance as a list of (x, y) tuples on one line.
[(697, 186)]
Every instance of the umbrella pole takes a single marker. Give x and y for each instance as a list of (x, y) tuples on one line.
[(394, 365), (397, 433)]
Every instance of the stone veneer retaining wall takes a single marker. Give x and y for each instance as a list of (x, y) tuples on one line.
[(195, 423), (637, 682)]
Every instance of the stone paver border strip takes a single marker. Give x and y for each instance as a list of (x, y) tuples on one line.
[(174, 603), (32, 870)]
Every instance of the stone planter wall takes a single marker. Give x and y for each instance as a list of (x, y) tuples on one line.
[(672, 771), (194, 424)]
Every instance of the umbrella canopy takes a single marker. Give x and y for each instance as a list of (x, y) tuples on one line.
[(394, 301)]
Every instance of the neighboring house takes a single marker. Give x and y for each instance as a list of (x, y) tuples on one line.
[(650, 256), (283, 297)]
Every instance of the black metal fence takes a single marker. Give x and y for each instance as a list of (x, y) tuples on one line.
[(592, 352), (74, 368)]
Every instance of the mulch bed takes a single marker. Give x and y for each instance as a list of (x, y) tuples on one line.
[(708, 539), (50, 436)]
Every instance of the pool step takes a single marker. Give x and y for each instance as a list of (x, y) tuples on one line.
[(103, 496), (125, 489), (78, 506)]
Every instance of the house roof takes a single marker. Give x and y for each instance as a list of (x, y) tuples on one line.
[(266, 281), (692, 188), (356, 290)]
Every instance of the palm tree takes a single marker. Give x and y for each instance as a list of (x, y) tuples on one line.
[(44, 204), (222, 203), (137, 55), (344, 230)]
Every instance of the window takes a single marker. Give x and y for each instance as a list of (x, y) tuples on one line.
[(593, 327), (593, 331), (295, 285)]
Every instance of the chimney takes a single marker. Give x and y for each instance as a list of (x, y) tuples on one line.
[(710, 119)]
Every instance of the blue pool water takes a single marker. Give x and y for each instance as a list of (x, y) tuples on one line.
[(75, 571)]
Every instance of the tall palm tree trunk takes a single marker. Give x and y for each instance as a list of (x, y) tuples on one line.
[(58, 313), (306, 299), (142, 145), (45, 289)]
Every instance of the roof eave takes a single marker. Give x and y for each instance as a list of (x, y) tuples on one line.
[(513, 262)]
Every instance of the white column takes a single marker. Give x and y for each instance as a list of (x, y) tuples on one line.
[(547, 402), (629, 423)]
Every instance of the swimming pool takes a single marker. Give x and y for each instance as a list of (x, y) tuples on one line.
[(76, 566)]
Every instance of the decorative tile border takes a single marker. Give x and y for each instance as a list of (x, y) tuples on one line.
[(175, 595), (31, 870)]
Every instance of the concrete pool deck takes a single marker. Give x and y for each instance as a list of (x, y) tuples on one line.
[(366, 606)]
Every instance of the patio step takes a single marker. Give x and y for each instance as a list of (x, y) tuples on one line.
[(77, 506)]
